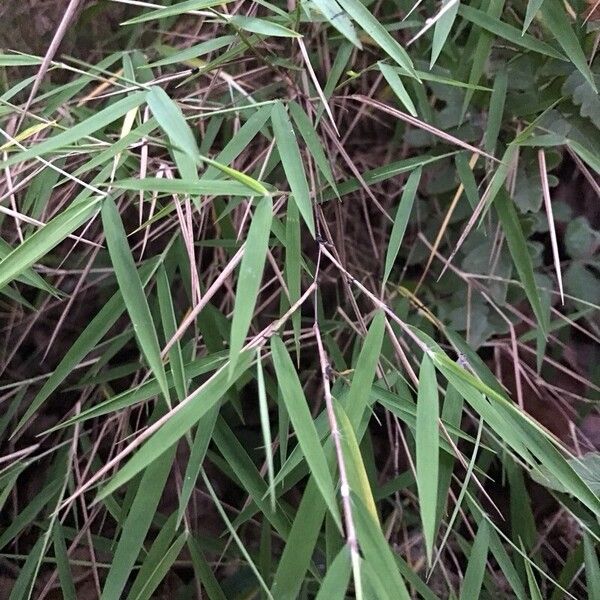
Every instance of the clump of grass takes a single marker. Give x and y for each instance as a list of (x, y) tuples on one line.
[(299, 300)]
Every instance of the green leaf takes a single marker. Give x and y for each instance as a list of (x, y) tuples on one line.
[(203, 187), (360, 13), (29, 277), (534, 590), (73, 134), (300, 546), (203, 572), (377, 553), (173, 11), (428, 452), (248, 475), (357, 399), (335, 582), (496, 111), (265, 426), (508, 32), (158, 562), (138, 522), (45, 239), (589, 157), (556, 19), (244, 179), (172, 122), (181, 420), (313, 143), (533, 7), (19, 60), (250, 276), (394, 81), (592, 569), (442, 30), (293, 265), (67, 586), (331, 10), (262, 27), (29, 512), (520, 254), (478, 56), (83, 345), (400, 222), (133, 292), (202, 439), (153, 557), (169, 323), (192, 52), (285, 138), (473, 580), (295, 403)]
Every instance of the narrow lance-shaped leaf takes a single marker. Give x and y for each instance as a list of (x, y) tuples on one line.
[(133, 292), (520, 254), (266, 427), (401, 221), (181, 420), (44, 239), (377, 553), (357, 399), (262, 27), (251, 271), (428, 452), (337, 577), (339, 19), (361, 14), (301, 419), (313, 142), (592, 569), (73, 134), (173, 123), (285, 138), (177, 9), (481, 52), (137, 523), (67, 586), (496, 111), (394, 81), (533, 6), (207, 187), (556, 19), (497, 27), (477, 560), (293, 266), (442, 30), (169, 324)]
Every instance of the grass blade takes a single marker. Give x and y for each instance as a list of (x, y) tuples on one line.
[(520, 254), (285, 138), (45, 239), (297, 408), (172, 121), (442, 30), (428, 452), (183, 417), (401, 222), (394, 81), (335, 582), (250, 276), (556, 19), (133, 292), (473, 580), (361, 15), (74, 134)]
